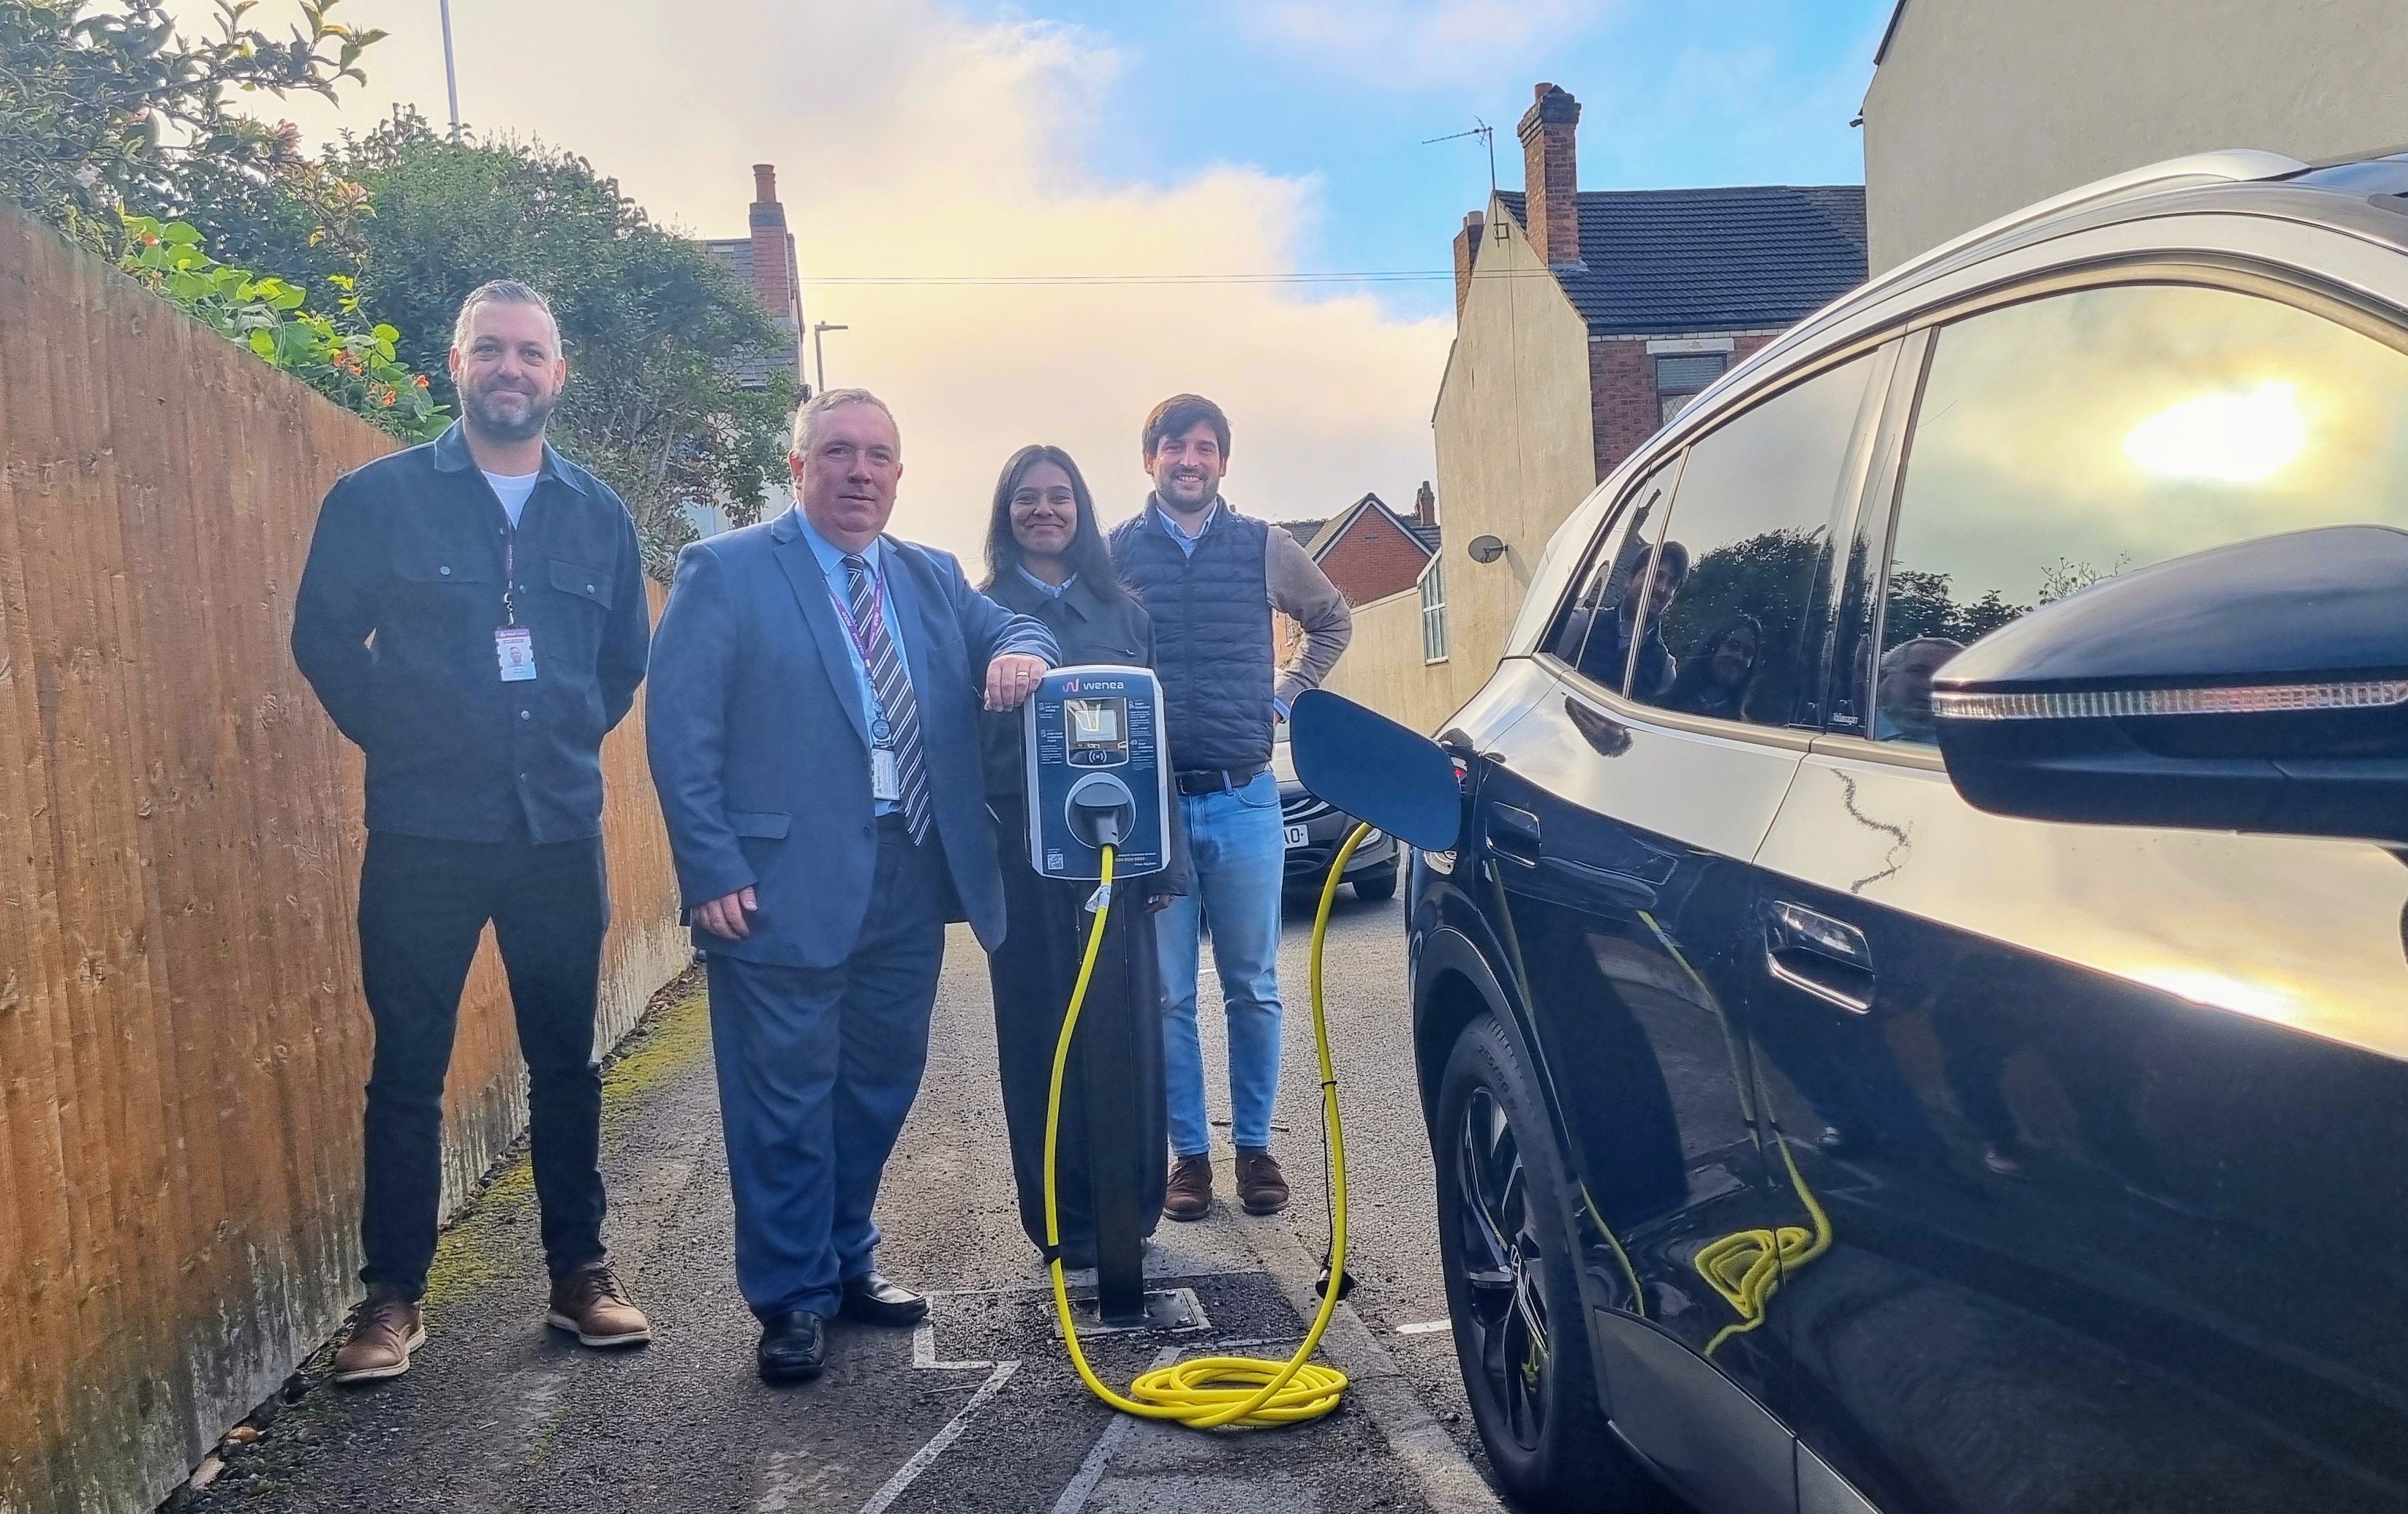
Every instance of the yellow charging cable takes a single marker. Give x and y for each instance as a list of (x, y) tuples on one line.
[(1215, 1392)]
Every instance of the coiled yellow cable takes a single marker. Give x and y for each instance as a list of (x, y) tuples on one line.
[(1215, 1392)]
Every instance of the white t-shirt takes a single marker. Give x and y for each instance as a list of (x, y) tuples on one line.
[(512, 492)]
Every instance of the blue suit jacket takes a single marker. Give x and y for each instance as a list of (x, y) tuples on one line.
[(760, 752)]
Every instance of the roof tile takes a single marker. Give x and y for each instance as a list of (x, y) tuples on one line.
[(1662, 261)]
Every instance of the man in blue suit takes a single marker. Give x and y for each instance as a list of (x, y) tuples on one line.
[(813, 732)]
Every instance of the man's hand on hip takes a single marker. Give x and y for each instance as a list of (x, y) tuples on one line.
[(1012, 678), (725, 917)]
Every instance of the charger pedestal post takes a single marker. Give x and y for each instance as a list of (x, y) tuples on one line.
[(1109, 1052)]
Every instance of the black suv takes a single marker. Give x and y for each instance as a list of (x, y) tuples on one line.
[(1867, 1077)]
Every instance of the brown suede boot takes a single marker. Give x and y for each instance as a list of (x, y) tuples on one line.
[(1262, 1188), (387, 1329), (1189, 1194), (592, 1305)]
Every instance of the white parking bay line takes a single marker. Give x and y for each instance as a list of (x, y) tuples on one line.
[(1427, 1327), (909, 1473), (1090, 1471)]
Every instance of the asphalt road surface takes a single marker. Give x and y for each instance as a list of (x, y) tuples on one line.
[(976, 1410)]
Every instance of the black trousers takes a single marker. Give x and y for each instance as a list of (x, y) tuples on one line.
[(423, 904), (1032, 974)]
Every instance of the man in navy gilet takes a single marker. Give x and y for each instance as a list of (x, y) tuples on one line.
[(1211, 578)]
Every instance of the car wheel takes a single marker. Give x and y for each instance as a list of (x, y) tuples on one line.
[(1371, 888), (1511, 1291)]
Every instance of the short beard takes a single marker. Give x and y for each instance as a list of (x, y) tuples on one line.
[(486, 422), (1171, 503)]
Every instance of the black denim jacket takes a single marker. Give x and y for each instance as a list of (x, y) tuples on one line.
[(393, 627)]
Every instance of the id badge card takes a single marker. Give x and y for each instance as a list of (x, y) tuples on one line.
[(514, 648), (885, 774)]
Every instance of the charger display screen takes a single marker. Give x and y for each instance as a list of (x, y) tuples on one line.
[(1098, 730)]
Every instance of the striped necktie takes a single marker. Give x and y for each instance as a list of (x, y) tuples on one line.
[(892, 683)]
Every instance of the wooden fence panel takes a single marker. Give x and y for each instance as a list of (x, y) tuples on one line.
[(182, 1045)]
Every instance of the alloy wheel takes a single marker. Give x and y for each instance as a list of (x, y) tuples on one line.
[(1501, 1259)]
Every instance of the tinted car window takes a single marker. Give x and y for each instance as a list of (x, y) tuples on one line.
[(1734, 625), (2074, 437), (1605, 584)]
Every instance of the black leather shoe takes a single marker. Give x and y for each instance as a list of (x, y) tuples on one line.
[(872, 1300), (792, 1348)]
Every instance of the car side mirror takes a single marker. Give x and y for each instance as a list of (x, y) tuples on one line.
[(1375, 770), (2262, 687)]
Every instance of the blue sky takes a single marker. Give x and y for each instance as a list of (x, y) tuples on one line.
[(1343, 92), (922, 142)]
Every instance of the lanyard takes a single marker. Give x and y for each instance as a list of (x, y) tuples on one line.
[(861, 642), (509, 575)]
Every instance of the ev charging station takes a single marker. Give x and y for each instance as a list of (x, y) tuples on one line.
[(1098, 800), (1098, 776)]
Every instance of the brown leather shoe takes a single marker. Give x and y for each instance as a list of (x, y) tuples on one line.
[(1189, 1193), (386, 1329), (592, 1305), (1262, 1188)]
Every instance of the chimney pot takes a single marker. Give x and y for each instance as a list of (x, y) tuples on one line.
[(1425, 504), (1549, 131), (764, 182)]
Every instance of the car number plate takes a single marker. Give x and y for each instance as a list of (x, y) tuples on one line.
[(1295, 837)]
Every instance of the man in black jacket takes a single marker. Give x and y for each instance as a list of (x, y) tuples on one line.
[(473, 617)]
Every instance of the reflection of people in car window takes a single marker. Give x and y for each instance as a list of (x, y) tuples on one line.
[(1615, 621), (1902, 699), (1718, 673)]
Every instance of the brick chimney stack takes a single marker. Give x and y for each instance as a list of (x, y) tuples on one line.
[(1425, 504), (1550, 176), (1467, 253), (773, 247)]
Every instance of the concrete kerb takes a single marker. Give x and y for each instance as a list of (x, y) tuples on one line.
[(1412, 1434)]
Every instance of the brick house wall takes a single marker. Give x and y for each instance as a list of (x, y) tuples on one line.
[(1373, 559), (1624, 408)]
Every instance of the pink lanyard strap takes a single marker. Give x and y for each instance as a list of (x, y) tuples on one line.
[(877, 610)]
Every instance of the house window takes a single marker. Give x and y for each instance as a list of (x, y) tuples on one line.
[(1434, 612), (1679, 377)]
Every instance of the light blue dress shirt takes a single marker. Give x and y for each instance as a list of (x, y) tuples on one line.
[(840, 581), (1050, 591), (1186, 542)]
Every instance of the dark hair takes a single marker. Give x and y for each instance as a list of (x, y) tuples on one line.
[(1088, 555), (1697, 673), (1178, 415)]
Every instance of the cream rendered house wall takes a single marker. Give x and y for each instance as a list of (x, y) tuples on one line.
[(1515, 453), (1981, 107)]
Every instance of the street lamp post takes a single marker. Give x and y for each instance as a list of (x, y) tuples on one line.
[(451, 78), (819, 352)]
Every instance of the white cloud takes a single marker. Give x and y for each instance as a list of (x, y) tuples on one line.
[(913, 143), (1419, 42)]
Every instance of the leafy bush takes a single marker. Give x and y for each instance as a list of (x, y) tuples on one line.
[(355, 368), (103, 102)]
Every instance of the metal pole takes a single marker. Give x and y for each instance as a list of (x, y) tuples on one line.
[(819, 349), (1113, 1077), (451, 78)]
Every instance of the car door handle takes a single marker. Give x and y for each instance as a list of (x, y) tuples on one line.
[(1619, 889), (1818, 954), (1513, 834)]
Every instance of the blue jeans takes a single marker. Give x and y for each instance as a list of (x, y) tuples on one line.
[(1235, 843)]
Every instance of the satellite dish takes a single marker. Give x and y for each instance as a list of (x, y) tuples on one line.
[(1484, 549)]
